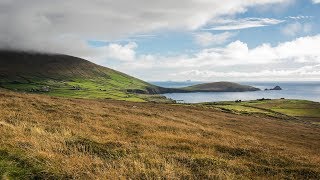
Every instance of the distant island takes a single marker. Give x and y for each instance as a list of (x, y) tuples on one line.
[(220, 87)]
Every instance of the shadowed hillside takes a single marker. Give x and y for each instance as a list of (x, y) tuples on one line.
[(24, 67)]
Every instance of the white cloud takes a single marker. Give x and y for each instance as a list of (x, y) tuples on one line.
[(294, 29), (60, 26), (245, 23), (269, 60), (305, 71), (299, 17), (316, 1), (207, 39), (119, 52)]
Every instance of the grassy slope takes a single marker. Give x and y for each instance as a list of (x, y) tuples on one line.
[(26, 71), (303, 110), (91, 139), (63, 74), (220, 86)]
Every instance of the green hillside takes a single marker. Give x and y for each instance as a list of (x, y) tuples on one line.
[(67, 76)]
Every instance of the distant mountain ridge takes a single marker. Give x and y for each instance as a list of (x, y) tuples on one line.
[(64, 75)]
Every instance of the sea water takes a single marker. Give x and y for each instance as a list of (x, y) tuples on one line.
[(291, 90)]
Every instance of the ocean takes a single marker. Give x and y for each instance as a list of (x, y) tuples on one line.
[(291, 90)]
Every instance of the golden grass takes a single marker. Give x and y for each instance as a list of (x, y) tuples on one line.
[(105, 139)]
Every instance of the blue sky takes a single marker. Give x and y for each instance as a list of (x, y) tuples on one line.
[(204, 40), (171, 42)]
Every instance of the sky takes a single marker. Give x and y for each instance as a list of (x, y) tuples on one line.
[(198, 40)]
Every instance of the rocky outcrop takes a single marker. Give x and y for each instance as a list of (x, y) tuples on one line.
[(277, 88)]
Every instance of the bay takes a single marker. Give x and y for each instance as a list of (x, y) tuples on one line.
[(291, 90)]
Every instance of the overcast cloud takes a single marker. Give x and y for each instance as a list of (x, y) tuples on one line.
[(65, 27)]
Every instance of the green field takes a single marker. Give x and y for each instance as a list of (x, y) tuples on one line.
[(88, 88), (287, 109)]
